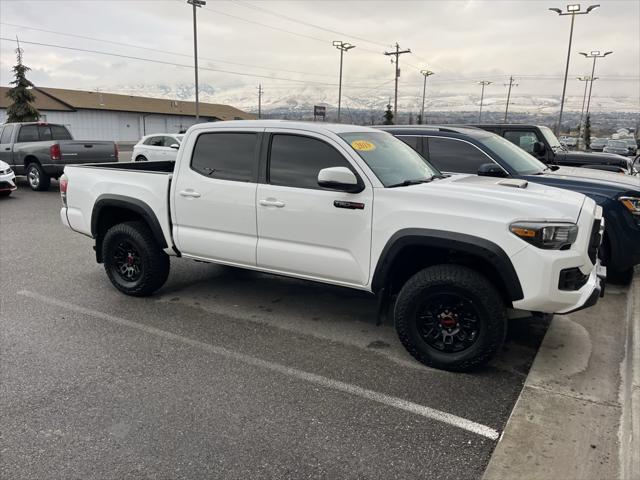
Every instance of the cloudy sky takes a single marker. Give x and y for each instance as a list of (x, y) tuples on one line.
[(286, 45)]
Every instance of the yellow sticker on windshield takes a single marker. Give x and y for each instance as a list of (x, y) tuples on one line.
[(363, 145)]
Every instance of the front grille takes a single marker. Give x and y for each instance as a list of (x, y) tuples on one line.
[(572, 279), (595, 239)]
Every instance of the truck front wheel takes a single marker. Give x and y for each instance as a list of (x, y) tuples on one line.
[(133, 260), (450, 317), (37, 178)]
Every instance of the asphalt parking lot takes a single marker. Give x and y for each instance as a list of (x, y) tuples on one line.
[(223, 374)]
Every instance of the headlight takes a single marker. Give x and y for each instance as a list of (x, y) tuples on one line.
[(550, 236), (632, 204)]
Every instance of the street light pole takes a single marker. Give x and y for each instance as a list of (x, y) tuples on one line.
[(260, 92), (396, 54), (572, 10), (595, 55), (426, 74), (196, 4), (484, 83), (343, 47), (511, 84)]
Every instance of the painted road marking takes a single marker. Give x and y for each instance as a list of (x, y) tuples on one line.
[(326, 382)]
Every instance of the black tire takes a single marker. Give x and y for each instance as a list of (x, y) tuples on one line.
[(141, 158), (38, 180), (144, 269), (619, 277), (457, 289)]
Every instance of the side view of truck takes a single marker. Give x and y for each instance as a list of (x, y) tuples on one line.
[(41, 150), (453, 256)]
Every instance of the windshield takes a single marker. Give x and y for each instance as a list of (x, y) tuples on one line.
[(515, 157), (392, 161), (550, 137), (616, 143)]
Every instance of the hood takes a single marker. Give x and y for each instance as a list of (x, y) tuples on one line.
[(3, 166), (534, 201), (606, 158), (599, 176)]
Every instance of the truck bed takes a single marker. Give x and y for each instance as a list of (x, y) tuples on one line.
[(145, 184), (151, 167)]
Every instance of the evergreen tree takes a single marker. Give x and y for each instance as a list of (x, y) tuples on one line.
[(587, 133), (388, 116), (21, 108)]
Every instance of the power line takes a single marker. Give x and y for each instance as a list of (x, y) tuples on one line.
[(308, 24)]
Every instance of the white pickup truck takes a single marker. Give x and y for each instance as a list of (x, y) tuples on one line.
[(351, 206)]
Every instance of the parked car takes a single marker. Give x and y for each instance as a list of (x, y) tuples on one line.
[(157, 147), (569, 142), (618, 147), (597, 144), (540, 142), (353, 207), (632, 146), (470, 150), (41, 150), (7, 179)]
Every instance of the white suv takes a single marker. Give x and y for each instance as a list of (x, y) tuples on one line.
[(157, 147)]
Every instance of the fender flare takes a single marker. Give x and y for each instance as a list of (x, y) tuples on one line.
[(131, 204), (452, 241)]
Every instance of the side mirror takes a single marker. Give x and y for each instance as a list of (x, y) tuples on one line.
[(175, 146), (491, 170), (539, 148), (339, 178)]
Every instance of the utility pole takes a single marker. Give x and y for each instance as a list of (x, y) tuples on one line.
[(510, 84), (343, 47), (196, 4), (572, 10), (595, 55), (397, 54), (586, 81), (484, 83), (426, 74), (260, 92)]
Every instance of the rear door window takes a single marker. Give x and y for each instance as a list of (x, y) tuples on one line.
[(226, 156), (58, 132), (28, 133), (44, 132), (6, 134), (452, 155), (522, 138)]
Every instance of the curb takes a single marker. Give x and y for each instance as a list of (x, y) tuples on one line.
[(629, 433), (578, 415)]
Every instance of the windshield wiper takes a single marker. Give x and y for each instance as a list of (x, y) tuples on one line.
[(406, 183)]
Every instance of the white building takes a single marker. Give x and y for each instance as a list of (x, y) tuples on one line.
[(121, 118)]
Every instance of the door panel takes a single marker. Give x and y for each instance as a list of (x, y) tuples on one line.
[(215, 218), (300, 230)]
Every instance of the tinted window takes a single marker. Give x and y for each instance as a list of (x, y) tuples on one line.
[(6, 134), (413, 142), (452, 155), (227, 156), (28, 133), (295, 161), (44, 131), (155, 141), (58, 132), (522, 139)]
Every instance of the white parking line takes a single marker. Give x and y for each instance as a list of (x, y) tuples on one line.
[(388, 400)]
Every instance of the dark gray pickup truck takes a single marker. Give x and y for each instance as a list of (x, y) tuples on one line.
[(41, 150)]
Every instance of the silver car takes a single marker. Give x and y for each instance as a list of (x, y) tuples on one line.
[(616, 146)]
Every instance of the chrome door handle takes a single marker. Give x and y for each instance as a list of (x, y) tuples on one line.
[(268, 202), (190, 194)]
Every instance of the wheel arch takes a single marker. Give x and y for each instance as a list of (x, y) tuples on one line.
[(411, 250), (110, 209), (30, 158)]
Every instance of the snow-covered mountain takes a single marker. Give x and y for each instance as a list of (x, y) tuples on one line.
[(302, 98)]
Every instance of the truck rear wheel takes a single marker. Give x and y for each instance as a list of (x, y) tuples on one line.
[(37, 178), (133, 260), (450, 317)]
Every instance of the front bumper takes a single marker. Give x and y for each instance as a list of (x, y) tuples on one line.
[(596, 293), (8, 182)]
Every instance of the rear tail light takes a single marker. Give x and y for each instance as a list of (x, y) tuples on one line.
[(54, 151), (115, 150), (64, 184)]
